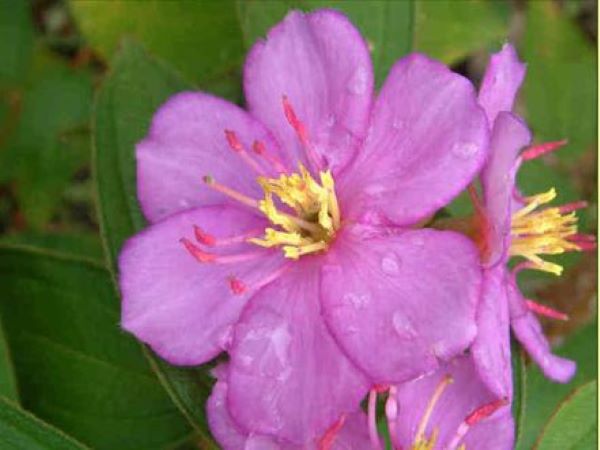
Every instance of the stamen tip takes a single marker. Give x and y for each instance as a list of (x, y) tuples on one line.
[(237, 286)]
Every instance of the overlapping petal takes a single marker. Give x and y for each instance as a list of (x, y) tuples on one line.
[(400, 304), (428, 138), (322, 64), (187, 141), (182, 308), (501, 82), (288, 376), (529, 333), (349, 434), (459, 399), (510, 135), (491, 349)]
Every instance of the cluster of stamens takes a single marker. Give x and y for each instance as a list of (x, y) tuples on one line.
[(304, 212), (315, 218), (546, 231)]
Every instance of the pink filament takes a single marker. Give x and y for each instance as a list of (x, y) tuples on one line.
[(546, 311), (542, 149)]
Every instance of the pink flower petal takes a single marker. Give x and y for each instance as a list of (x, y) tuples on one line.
[(491, 348), (427, 141), (529, 333), (400, 304), (288, 378), (501, 82), (458, 400), (187, 141), (322, 64), (352, 435), (509, 136), (182, 308)]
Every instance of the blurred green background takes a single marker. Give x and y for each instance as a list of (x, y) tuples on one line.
[(79, 82)]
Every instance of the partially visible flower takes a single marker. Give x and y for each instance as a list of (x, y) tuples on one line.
[(348, 433), (511, 225), (450, 409), (297, 255)]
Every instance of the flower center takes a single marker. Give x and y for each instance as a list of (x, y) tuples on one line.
[(313, 216), (546, 231)]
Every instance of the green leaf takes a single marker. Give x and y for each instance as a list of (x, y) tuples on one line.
[(201, 39), (20, 430), (519, 387), (85, 245), (8, 382), (129, 98), (75, 368), (543, 395), (560, 88), (451, 29), (385, 24), (16, 41), (574, 424), (56, 104)]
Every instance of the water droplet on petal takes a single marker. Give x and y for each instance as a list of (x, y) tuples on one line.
[(418, 241), (399, 124), (390, 264), (358, 301), (358, 82), (330, 122), (465, 150), (402, 325), (439, 349), (226, 337)]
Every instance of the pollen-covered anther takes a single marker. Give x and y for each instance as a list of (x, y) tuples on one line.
[(314, 215), (547, 231)]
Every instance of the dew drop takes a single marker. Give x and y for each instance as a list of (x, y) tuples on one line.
[(184, 203), (418, 241), (358, 82), (330, 122), (358, 301), (399, 124), (402, 326), (390, 264), (464, 150)]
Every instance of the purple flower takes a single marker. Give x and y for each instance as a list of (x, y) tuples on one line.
[(298, 255), (450, 409), (511, 225)]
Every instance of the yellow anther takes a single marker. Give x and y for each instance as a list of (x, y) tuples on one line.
[(315, 218), (542, 232)]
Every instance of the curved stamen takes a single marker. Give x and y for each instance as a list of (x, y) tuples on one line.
[(206, 257), (302, 134), (546, 311), (542, 149), (328, 439), (261, 150), (236, 146), (475, 417), (213, 184)]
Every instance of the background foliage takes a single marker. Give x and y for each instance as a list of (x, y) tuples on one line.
[(79, 81)]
